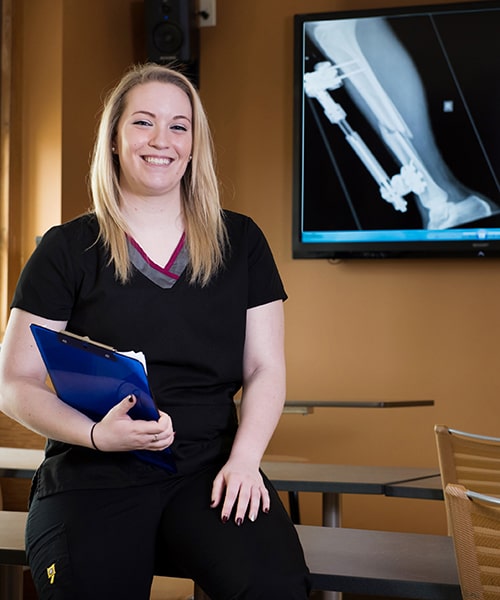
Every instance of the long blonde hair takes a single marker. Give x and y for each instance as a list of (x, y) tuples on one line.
[(200, 200)]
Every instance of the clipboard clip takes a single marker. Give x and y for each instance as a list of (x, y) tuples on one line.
[(71, 339)]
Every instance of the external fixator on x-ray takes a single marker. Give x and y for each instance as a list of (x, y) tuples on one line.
[(339, 43)]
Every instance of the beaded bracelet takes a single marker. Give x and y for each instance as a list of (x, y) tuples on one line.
[(92, 437)]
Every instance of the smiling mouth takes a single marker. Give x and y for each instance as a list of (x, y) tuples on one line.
[(156, 160)]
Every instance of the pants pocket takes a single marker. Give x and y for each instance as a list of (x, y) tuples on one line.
[(48, 558)]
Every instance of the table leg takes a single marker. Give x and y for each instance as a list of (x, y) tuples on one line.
[(11, 582), (332, 518), (331, 510), (293, 501)]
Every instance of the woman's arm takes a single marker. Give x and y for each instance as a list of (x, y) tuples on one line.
[(26, 397), (264, 382), (24, 394)]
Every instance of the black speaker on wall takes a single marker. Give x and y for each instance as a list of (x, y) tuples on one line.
[(172, 34)]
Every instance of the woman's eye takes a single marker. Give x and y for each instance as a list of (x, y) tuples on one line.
[(142, 122), (179, 127)]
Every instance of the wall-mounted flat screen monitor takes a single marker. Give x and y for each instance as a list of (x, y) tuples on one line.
[(397, 132)]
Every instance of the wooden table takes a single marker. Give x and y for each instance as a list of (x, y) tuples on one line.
[(329, 480), (19, 462), (334, 480), (306, 407), (363, 562), (427, 488)]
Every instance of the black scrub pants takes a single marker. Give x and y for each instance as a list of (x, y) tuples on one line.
[(108, 544)]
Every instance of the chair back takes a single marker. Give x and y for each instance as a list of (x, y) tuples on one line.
[(475, 527), (469, 459)]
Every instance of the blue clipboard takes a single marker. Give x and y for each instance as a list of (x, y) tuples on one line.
[(92, 378)]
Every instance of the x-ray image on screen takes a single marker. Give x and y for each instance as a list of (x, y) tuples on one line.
[(396, 135)]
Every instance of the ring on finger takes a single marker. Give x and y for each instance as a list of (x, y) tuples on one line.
[(155, 437)]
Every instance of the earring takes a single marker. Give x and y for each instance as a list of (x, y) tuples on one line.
[(113, 149), (190, 157)]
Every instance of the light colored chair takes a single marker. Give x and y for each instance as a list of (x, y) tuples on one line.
[(468, 459), (475, 527)]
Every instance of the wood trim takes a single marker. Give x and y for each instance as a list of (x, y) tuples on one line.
[(5, 138)]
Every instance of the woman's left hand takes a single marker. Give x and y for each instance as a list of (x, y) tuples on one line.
[(240, 487)]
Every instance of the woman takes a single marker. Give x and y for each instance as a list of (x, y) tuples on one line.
[(157, 266)]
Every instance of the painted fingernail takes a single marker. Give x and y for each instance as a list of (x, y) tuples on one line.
[(225, 518), (239, 521), (266, 510), (252, 518)]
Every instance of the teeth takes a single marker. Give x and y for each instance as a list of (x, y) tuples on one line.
[(153, 160)]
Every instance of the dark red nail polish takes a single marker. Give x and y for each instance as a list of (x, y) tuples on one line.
[(225, 518), (239, 521)]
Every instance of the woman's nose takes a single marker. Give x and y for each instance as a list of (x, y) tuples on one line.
[(160, 137)]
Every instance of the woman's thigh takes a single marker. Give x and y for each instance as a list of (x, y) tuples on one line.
[(93, 544), (261, 559)]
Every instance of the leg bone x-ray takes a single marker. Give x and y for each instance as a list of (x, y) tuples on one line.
[(365, 59)]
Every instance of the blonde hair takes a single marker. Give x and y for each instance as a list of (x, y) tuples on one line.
[(200, 201)]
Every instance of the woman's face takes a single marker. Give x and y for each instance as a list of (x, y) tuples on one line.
[(154, 139)]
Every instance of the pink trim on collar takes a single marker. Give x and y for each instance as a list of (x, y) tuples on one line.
[(166, 269)]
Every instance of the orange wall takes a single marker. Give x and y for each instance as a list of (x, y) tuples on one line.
[(355, 330), (41, 123)]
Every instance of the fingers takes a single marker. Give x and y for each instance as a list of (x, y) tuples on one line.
[(119, 432), (154, 435), (124, 406), (217, 490), (160, 440), (250, 501), (258, 501), (160, 434), (243, 497)]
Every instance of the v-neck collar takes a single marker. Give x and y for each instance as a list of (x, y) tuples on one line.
[(165, 277)]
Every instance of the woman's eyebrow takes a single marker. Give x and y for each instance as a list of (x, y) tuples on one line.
[(143, 112), (151, 114)]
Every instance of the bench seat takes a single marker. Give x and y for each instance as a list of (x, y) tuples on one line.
[(381, 563)]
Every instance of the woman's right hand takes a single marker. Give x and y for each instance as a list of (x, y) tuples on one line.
[(118, 432)]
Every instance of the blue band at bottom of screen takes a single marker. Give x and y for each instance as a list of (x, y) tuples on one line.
[(401, 235)]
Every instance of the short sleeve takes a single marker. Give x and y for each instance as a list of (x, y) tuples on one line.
[(265, 283), (50, 280)]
